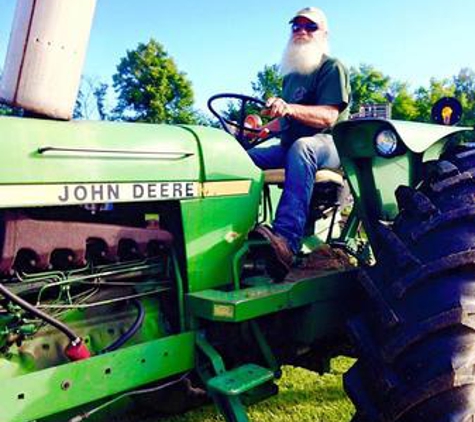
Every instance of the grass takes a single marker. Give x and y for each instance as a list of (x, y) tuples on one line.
[(304, 397)]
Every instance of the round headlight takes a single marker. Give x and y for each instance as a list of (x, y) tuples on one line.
[(386, 142)]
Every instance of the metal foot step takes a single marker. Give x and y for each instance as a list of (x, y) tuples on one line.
[(240, 380)]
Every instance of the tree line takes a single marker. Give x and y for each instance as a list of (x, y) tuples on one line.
[(148, 87)]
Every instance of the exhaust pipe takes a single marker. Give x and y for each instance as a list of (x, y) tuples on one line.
[(45, 55)]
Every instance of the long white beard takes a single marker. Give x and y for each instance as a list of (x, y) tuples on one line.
[(304, 57)]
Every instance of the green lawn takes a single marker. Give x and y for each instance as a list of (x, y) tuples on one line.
[(304, 396)]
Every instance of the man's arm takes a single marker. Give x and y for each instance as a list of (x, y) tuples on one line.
[(318, 116)]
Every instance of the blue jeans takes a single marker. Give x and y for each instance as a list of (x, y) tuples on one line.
[(301, 161)]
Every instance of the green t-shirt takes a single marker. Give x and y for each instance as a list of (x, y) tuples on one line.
[(327, 85)]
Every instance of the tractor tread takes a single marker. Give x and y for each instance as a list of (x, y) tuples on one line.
[(416, 331), (396, 247), (357, 391), (440, 220), (452, 182), (367, 346), (387, 314), (401, 286), (446, 169), (415, 343), (415, 202)]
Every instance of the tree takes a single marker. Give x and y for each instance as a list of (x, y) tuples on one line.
[(78, 112), (371, 86), (151, 89), (404, 104), (425, 98), (268, 83), (100, 93), (6, 110), (91, 100), (464, 83), (368, 86)]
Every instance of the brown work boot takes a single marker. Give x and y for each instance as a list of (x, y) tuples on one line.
[(277, 255)]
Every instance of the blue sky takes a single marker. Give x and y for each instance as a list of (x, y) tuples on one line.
[(221, 45)]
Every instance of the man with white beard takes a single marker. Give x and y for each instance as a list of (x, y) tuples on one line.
[(315, 96)]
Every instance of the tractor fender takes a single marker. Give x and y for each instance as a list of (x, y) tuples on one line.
[(351, 135)]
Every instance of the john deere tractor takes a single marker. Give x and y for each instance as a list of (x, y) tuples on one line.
[(128, 282), (125, 266)]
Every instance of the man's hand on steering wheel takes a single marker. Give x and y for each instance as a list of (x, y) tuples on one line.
[(276, 107), (247, 129)]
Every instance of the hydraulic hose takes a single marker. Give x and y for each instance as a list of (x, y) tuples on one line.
[(89, 413), (38, 313), (131, 331)]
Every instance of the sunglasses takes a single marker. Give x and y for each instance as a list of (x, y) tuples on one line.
[(308, 27)]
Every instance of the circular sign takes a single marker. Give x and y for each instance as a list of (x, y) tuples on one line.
[(447, 111)]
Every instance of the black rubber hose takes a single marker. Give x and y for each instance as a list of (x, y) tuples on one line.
[(131, 331), (40, 314)]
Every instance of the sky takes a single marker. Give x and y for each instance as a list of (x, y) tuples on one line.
[(222, 45)]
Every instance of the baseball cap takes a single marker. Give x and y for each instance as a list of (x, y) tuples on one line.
[(314, 14)]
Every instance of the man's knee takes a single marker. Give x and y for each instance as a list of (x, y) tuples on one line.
[(267, 157), (254, 156), (305, 148), (316, 150), (260, 157)]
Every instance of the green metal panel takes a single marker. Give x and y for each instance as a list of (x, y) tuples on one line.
[(80, 152), (323, 318), (21, 162), (373, 178), (214, 230), (98, 330), (418, 137), (216, 227), (56, 389), (239, 305), (252, 302), (323, 286), (223, 157), (355, 138)]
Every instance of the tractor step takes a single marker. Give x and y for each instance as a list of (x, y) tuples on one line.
[(240, 380), (239, 305), (266, 298)]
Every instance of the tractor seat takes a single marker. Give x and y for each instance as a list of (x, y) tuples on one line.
[(328, 190), (277, 177)]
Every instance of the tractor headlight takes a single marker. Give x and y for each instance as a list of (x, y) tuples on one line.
[(386, 142)]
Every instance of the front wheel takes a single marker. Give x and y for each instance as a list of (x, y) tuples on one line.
[(416, 343)]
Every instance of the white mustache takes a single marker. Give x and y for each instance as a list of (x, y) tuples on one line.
[(303, 57)]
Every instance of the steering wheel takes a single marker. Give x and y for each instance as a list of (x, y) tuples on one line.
[(237, 128)]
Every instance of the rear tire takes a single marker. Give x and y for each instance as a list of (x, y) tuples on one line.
[(416, 343)]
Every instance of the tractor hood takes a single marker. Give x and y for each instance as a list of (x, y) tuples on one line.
[(356, 137), (39, 151), (46, 151), (104, 161)]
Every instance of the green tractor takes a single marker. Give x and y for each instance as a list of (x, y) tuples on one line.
[(126, 270)]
